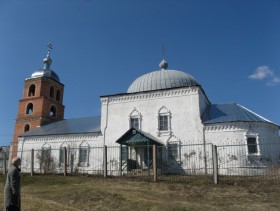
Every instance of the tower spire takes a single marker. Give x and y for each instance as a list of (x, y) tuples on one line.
[(163, 52), (163, 64), (48, 60)]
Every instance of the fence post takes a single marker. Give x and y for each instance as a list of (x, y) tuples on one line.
[(32, 162), (155, 162), (121, 146), (65, 161), (105, 161), (215, 164)]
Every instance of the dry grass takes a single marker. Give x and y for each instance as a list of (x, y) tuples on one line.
[(50, 192)]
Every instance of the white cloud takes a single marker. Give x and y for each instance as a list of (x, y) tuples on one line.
[(264, 72), (261, 73), (275, 80)]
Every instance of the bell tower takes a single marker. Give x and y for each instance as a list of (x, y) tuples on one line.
[(41, 102)]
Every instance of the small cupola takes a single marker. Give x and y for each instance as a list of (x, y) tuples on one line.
[(46, 71)]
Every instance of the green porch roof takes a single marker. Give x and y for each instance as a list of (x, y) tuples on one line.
[(136, 137)]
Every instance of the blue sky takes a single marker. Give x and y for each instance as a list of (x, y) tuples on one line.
[(101, 46)]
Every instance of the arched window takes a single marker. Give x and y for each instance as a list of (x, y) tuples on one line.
[(164, 121), (53, 111), (84, 154), (31, 91), (46, 154), (135, 119), (58, 95), (51, 92), (29, 108), (26, 127), (174, 149)]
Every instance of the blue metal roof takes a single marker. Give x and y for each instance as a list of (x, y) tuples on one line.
[(218, 113), (67, 126)]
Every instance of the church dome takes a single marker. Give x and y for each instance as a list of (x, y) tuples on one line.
[(162, 79), (46, 71)]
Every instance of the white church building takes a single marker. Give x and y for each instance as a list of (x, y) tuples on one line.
[(167, 108)]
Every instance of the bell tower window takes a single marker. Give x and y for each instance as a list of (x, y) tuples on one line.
[(31, 91), (51, 91), (26, 127), (58, 95), (29, 108), (53, 111)]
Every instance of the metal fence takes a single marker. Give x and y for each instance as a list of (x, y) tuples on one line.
[(236, 164), (175, 162)]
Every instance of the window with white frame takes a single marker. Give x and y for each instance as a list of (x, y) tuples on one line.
[(84, 154), (173, 151), (46, 160), (135, 119), (251, 138), (164, 121), (46, 153), (134, 122), (252, 145)]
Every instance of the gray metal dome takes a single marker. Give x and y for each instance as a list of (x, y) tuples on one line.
[(46, 71), (162, 79)]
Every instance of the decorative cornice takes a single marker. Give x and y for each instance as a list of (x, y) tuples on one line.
[(150, 95), (63, 138), (234, 126)]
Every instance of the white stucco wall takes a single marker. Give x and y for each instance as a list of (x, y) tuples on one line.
[(183, 104), (72, 142), (231, 139)]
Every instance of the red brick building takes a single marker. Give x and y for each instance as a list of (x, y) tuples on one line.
[(41, 103)]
